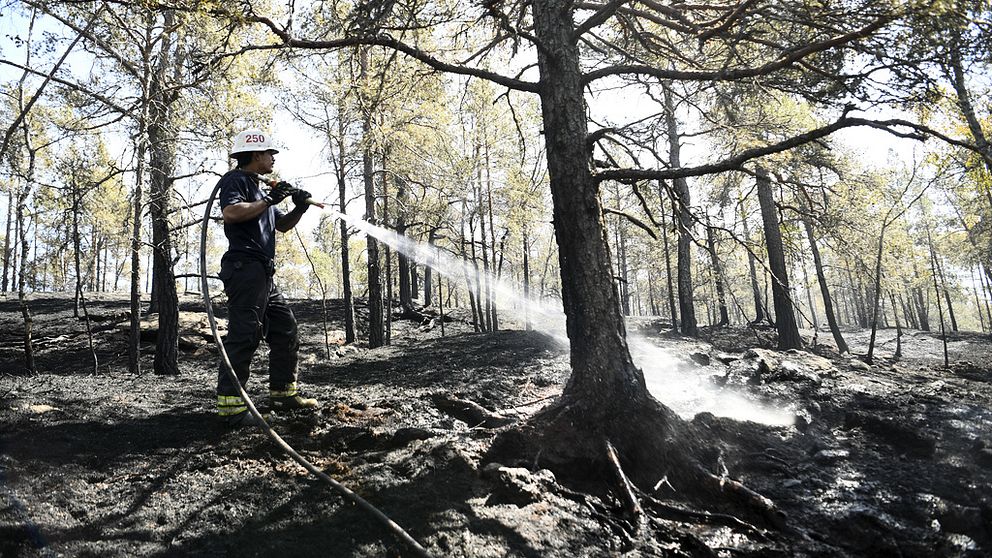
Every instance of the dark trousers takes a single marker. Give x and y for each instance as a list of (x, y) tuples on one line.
[(256, 310)]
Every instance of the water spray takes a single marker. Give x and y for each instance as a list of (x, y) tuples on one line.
[(678, 385)]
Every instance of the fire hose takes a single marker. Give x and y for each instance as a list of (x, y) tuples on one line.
[(344, 491)]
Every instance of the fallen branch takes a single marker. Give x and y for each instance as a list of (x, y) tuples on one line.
[(631, 506), (469, 412)]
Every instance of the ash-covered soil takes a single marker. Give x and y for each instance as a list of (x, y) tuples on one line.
[(889, 459)]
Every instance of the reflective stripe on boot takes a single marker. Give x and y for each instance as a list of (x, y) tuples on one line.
[(228, 405)]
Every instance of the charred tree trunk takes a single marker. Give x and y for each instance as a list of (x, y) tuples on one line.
[(687, 310), (161, 163), (947, 296), (429, 273), (403, 262), (673, 311), (6, 240), (605, 418), (919, 300), (21, 215), (759, 307), (895, 315), (785, 317), (821, 278), (526, 246), (376, 324), (349, 302), (717, 278), (936, 290)]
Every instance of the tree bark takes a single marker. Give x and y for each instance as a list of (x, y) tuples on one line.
[(6, 240), (687, 310), (161, 148), (602, 369), (785, 317), (717, 278), (349, 301), (376, 325), (673, 311), (821, 279)]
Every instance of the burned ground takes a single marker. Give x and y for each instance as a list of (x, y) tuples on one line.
[(889, 459)]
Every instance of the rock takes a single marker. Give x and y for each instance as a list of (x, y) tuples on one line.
[(701, 359), (791, 371), (804, 418), (831, 455), (955, 518), (345, 350), (767, 360), (743, 372), (726, 358), (516, 485), (856, 364), (41, 409)]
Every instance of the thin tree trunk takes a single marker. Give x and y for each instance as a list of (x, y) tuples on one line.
[(936, 290), (526, 243), (947, 297), (673, 311), (785, 318), (978, 303), (759, 307), (895, 315), (717, 278), (6, 240), (349, 301)]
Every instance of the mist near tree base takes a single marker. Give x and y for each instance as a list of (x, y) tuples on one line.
[(684, 387), (689, 389)]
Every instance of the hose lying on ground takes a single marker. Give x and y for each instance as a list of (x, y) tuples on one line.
[(340, 488)]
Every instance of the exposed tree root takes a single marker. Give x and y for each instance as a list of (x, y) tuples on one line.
[(645, 442), (470, 412), (631, 506)]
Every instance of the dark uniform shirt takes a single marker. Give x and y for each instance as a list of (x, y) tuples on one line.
[(254, 238)]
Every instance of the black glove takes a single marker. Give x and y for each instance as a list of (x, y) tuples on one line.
[(300, 198), (279, 192)]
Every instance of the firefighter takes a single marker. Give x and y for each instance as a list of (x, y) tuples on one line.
[(256, 308)]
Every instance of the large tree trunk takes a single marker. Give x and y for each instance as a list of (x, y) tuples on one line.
[(163, 274), (605, 409), (821, 278), (161, 163), (785, 317), (683, 218), (603, 375), (376, 324)]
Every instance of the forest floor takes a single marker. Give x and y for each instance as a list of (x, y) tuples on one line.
[(892, 459)]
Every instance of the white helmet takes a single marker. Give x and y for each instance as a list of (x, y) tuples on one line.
[(253, 139)]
